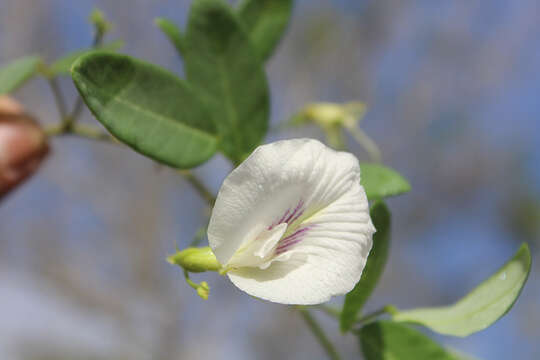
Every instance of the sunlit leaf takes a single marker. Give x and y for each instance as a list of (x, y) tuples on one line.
[(147, 108), (355, 300), (63, 65), (385, 340), (266, 22), (222, 64), (380, 181), (481, 307), (17, 72), (172, 32)]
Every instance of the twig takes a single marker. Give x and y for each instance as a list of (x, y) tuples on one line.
[(319, 334), (205, 193), (388, 309), (79, 104), (329, 310), (59, 99), (80, 131)]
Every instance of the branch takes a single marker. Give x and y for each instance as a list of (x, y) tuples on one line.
[(319, 334)]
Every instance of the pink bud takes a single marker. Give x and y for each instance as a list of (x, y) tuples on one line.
[(23, 145)]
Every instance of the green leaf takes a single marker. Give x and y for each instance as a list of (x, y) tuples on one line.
[(355, 300), (63, 65), (481, 307), (380, 181), (266, 22), (173, 33), (16, 73), (385, 340), (222, 64), (147, 108)]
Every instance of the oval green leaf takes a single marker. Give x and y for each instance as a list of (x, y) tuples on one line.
[(266, 21), (147, 108), (63, 65), (385, 340), (222, 64), (16, 73), (355, 300), (491, 300), (380, 181)]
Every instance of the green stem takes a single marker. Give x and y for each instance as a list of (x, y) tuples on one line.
[(59, 99), (336, 313), (205, 193), (388, 309), (80, 131), (366, 142), (79, 104), (96, 134), (329, 310), (319, 334), (92, 133)]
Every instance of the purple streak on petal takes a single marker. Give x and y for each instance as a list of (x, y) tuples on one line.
[(300, 213), (283, 249), (296, 209), (287, 242), (280, 221)]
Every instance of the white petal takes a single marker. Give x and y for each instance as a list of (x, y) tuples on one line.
[(272, 184)]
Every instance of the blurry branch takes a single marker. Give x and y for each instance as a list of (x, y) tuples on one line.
[(319, 334), (335, 313), (331, 311), (198, 185), (93, 133), (101, 27), (58, 98), (87, 132)]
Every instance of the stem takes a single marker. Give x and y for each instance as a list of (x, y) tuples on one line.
[(199, 186), (329, 310), (59, 99), (366, 142), (92, 133), (199, 236), (336, 313), (388, 309), (78, 107), (371, 316), (80, 131), (96, 134), (319, 334)]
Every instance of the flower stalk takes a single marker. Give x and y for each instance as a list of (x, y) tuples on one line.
[(319, 334)]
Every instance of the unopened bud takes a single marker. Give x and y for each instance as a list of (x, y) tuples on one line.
[(97, 18), (195, 259), (23, 145), (8, 106), (328, 115), (203, 290)]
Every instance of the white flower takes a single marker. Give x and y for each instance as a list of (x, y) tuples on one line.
[(291, 224)]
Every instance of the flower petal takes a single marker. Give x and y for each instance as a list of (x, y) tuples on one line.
[(316, 191)]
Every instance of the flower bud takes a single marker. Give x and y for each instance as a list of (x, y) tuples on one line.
[(203, 290), (8, 106), (195, 259), (328, 115), (23, 145)]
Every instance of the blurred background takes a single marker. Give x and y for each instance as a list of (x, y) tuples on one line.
[(452, 92)]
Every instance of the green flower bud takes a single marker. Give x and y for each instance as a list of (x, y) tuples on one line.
[(203, 290), (195, 260), (100, 23)]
